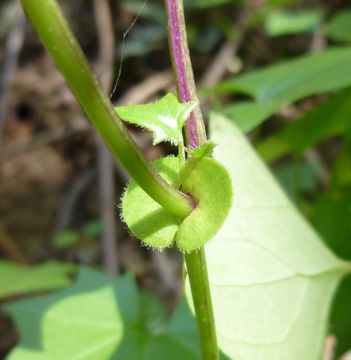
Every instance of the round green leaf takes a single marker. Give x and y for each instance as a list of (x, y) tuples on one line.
[(206, 180), (209, 182), (146, 218)]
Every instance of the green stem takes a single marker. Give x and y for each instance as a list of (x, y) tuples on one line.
[(181, 153), (195, 136), (65, 50), (200, 290)]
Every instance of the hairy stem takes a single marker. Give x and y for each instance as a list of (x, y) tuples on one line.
[(66, 52), (195, 136)]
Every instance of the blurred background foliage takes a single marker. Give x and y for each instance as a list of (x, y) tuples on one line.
[(280, 69)]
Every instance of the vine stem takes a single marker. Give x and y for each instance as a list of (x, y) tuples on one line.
[(195, 135), (53, 30)]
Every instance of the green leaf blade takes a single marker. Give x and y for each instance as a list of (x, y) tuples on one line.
[(338, 27)]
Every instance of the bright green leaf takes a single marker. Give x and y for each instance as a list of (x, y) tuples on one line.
[(203, 150), (338, 27), (271, 277), (146, 218), (165, 118), (326, 120), (285, 22), (107, 318), (209, 182), (18, 279), (204, 178), (280, 84)]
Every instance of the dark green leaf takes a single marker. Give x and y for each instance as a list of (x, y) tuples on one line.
[(332, 214), (340, 318), (339, 26), (297, 177), (326, 120)]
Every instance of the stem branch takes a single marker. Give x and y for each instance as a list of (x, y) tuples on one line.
[(65, 50)]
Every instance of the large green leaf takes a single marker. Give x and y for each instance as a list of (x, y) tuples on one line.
[(101, 317), (17, 279), (280, 84), (271, 277), (326, 120)]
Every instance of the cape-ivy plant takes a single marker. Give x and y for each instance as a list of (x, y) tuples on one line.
[(271, 277)]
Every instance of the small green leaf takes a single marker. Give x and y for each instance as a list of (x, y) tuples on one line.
[(204, 178), (339, 26), (272, 279), (165, 118), (285, 22), (203, 150), (18, 279), (102, 318)]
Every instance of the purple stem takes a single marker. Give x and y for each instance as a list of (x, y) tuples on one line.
[(195, 128)]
